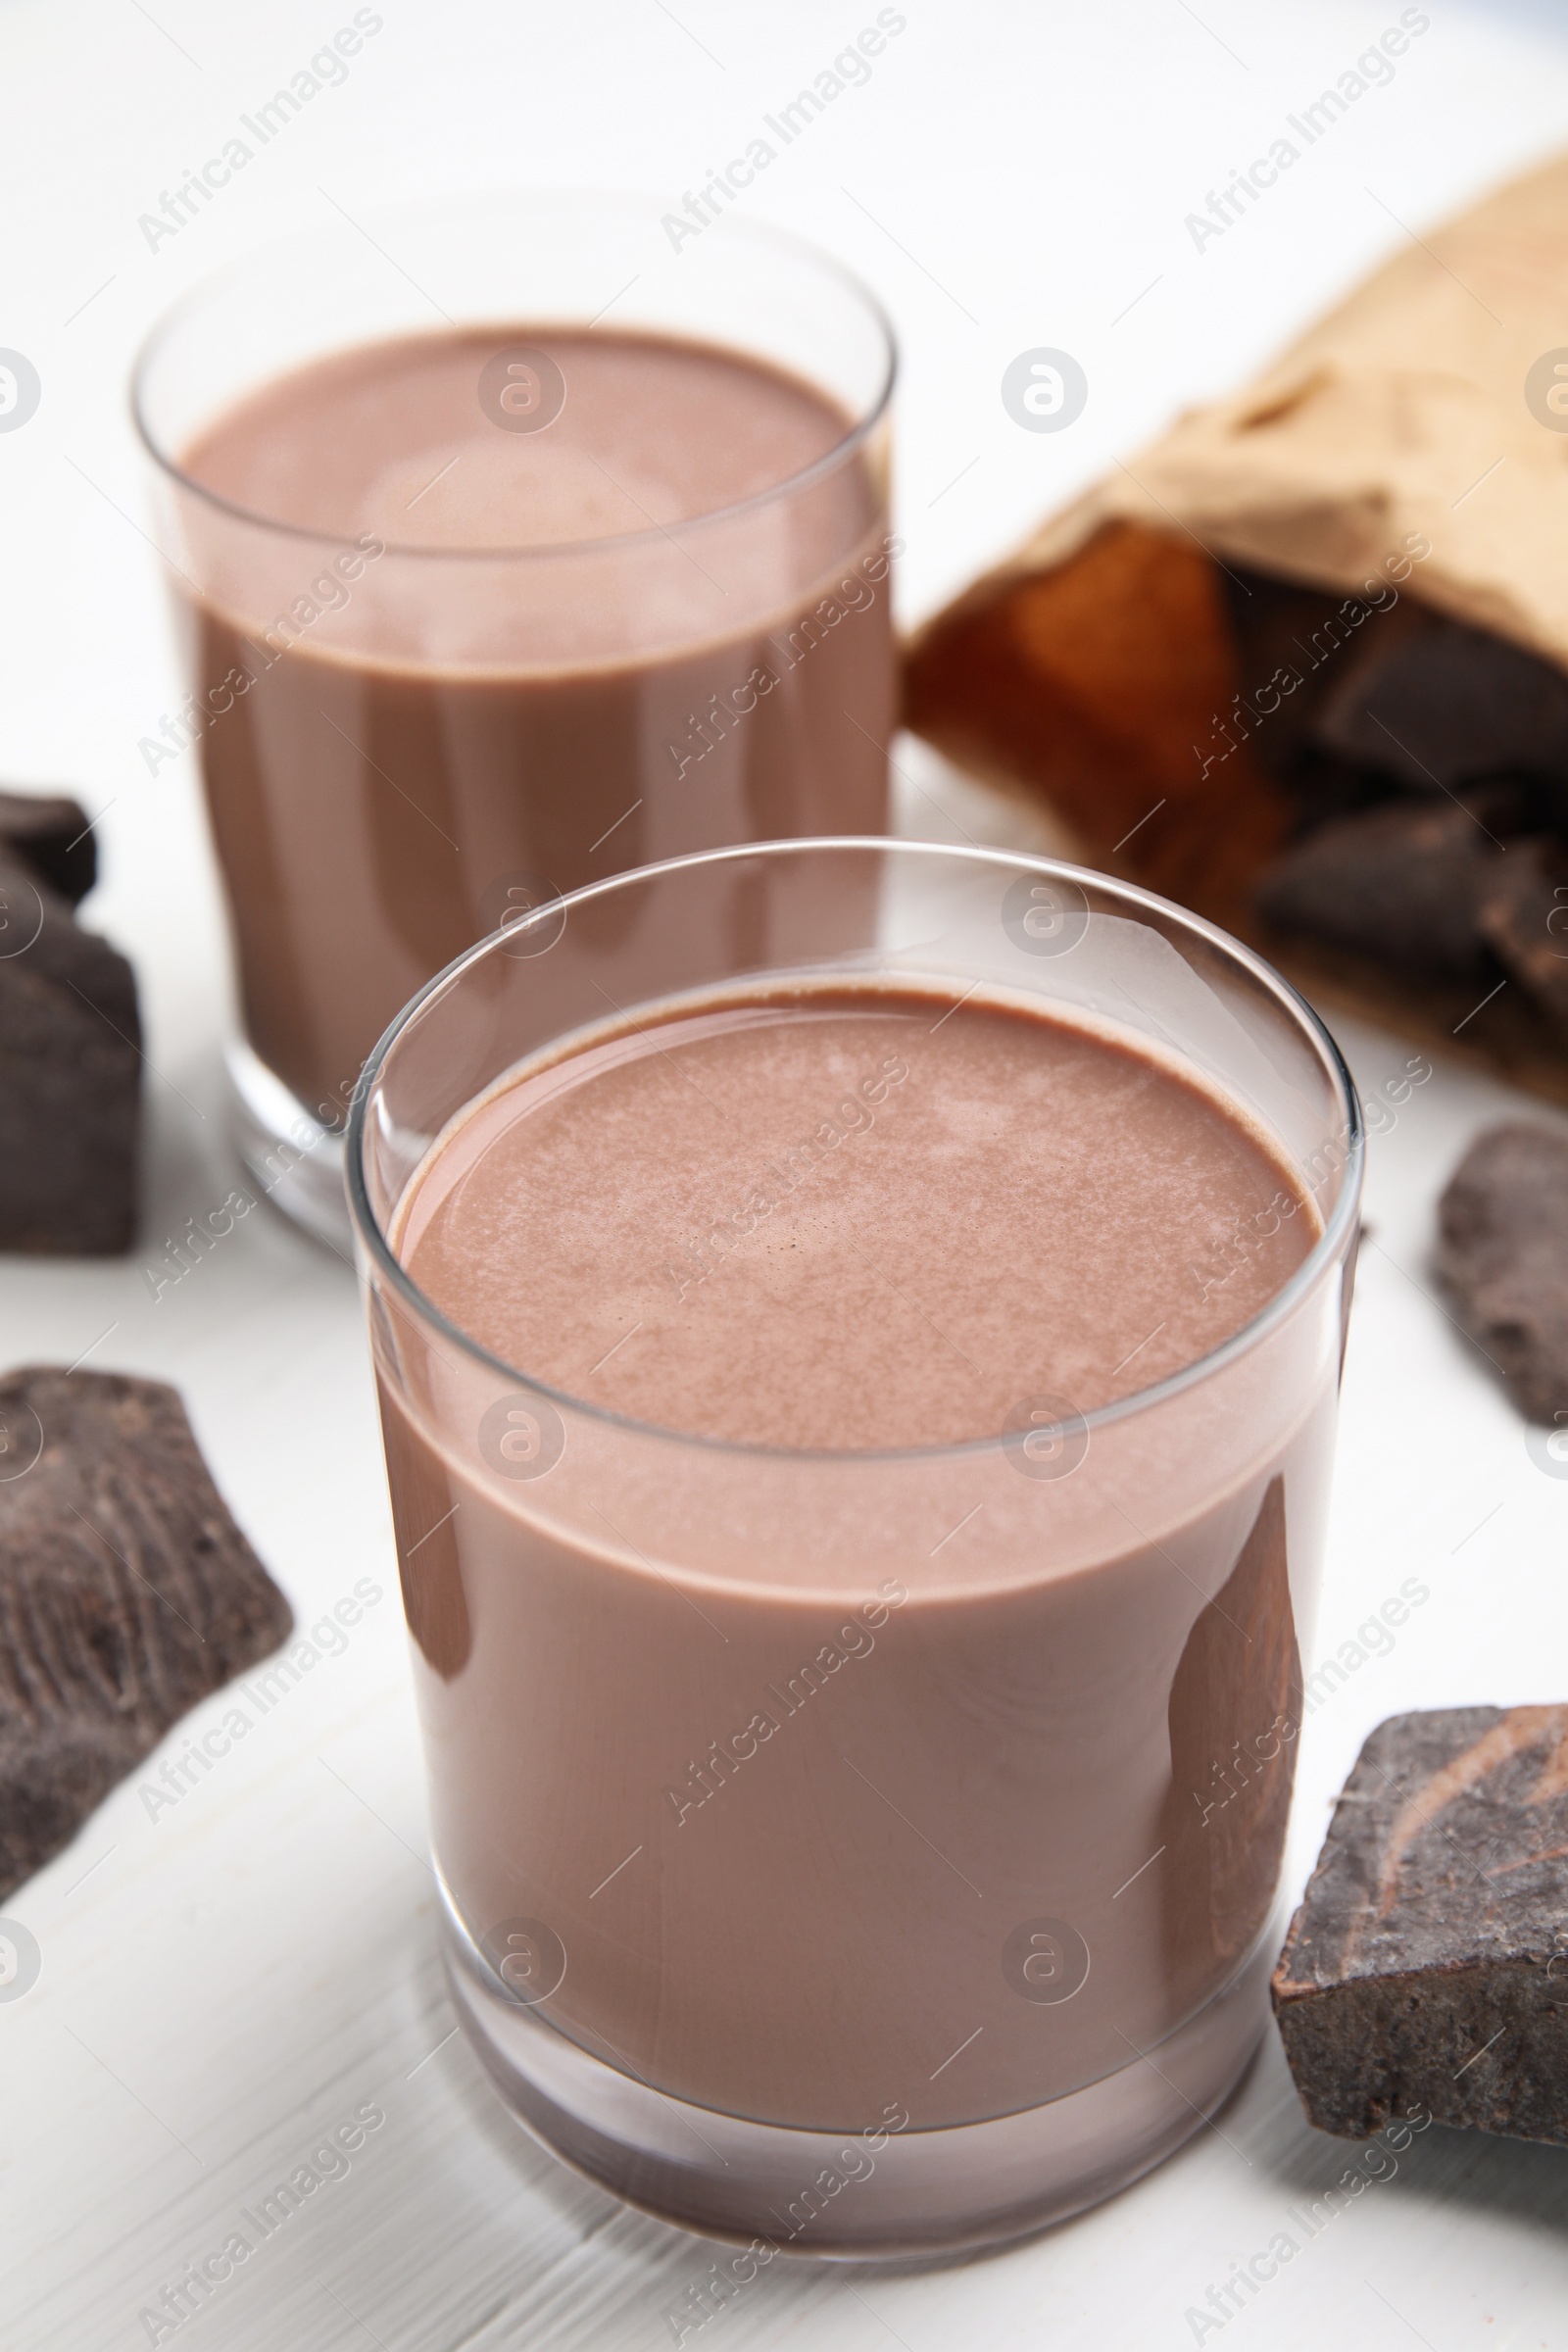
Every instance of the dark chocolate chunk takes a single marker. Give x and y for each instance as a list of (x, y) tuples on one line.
[(1441, 703), (1288, 641), (126, 1594), (1324, 788), (1524, 917), (1403, 884), (51, 834), (1503, 1251), (69, 1077), (1428, 1964)]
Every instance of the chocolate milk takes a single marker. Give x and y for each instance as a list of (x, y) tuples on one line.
[(812, 1771), (472, 630)]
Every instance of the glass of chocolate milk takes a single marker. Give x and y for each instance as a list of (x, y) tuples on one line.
[(517, 541), (858, 1327)]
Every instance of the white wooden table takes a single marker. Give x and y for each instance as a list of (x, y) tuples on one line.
[(229, 1978)]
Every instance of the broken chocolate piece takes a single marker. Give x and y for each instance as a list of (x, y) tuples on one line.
[(50, 832), (1503, 1251), (1428, 1964), (126, 1594), (69, 1077), (1435, 702), (1306, 640), (1523, 916), (1403, 884), (1324, 788)]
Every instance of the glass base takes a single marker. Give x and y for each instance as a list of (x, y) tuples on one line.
[(927, 2193), (295, 1162)]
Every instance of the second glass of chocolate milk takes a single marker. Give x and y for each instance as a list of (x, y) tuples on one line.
[(518, 541)]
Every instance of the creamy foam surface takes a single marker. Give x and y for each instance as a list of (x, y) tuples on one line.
[(393, 438), (865, 1219)]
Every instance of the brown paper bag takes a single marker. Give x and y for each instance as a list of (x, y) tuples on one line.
[(1409, 444)]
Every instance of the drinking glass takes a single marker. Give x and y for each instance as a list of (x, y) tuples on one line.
[(405, 741), (980, 1937)]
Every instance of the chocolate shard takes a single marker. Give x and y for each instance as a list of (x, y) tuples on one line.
[(126, 1594), (51, 834), (1324, 788), (1439, 703), (1502, 1252), (1305, 641), (1428, 1964), (69, 1077), (1524, 917), (1403, 884)]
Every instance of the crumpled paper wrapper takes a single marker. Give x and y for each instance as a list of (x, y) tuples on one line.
[(1096, 669)]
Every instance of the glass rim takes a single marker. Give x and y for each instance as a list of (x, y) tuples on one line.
[(729, 226), (1328, 1245)]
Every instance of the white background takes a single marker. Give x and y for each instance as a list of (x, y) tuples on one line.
[(222, 1985)]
